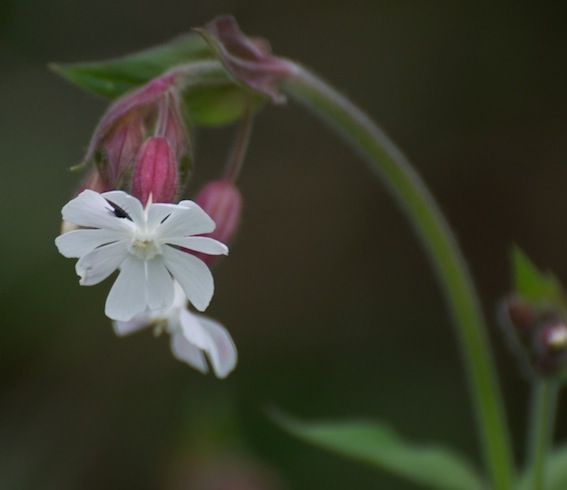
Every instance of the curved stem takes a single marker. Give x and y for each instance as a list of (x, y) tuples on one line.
[(542, 418), (236, 158), (406, 185)]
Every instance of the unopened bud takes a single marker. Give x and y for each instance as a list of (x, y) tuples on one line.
[(155, 171), (248, 59), (121, 147), (538, 334), (221, 200)]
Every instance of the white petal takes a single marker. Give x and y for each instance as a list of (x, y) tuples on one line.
[(211, 337), (158, 212), (186, 221), (80, 242), (185, 351), (97, 265), (159, 285), (180, 298), (127, 296), (90, 209), (131, 205), (200, 244), (139, 322), (192, 274)]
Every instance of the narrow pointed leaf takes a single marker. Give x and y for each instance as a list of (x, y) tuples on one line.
[(210, 95), (114, 77), (533, 285), (432, 466)]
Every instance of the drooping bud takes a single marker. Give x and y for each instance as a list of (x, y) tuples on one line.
[(538, 334), (248, 60), (155, 171), (221, 200)]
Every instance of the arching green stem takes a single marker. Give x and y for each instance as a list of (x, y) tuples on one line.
[(406, 185)]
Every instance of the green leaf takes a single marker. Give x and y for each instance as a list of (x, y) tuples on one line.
[(114, 77), (533, 285), (211, 96), (556, 478), (378, 445)]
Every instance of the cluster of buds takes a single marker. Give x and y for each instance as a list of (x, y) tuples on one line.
[(141, 144), (538, 333)]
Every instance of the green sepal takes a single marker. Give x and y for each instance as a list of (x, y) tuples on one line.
[(533, 285), (378, 445)]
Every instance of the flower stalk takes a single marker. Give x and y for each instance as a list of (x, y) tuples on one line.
[(542, 421), (236, 158), (389, 163)]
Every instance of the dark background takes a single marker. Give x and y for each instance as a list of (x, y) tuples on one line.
[(327, 292)]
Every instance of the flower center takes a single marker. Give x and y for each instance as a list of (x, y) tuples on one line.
[(145, 248)]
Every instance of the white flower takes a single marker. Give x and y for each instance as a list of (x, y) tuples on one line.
[(146, 244), (192, 335)]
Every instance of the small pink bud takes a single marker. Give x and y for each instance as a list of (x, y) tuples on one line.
[(121, 147), (155, 171), (221, 200)]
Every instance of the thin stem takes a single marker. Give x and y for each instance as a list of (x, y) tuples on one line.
[(406, 185), (236, 158), (542, 419)]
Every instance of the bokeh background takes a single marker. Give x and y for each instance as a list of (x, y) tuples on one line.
[(327, 292)]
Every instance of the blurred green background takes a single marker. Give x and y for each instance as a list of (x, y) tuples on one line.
[(327, 292)]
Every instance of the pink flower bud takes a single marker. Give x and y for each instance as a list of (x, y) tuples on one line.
[(155, 171), (121, 147), (222, 202)]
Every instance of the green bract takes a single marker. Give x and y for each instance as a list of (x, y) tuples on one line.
[(533, 285)]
